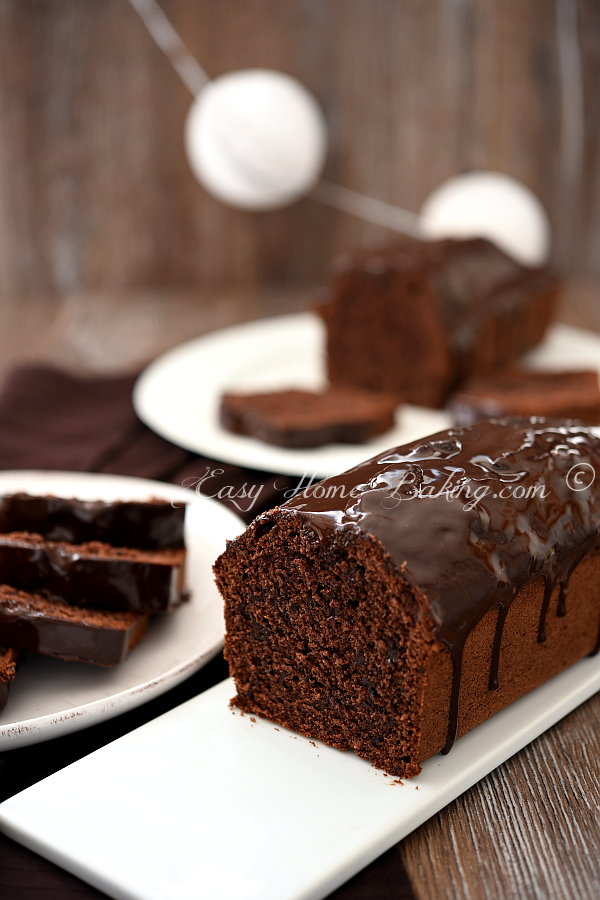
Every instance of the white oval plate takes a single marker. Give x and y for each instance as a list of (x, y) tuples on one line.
[(49, 697), (178, 394)]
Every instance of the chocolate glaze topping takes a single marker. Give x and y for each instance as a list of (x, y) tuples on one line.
[(472, 514), (94, 574), (51, 627), (150, 525)]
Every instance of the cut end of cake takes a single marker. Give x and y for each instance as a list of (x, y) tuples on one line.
[(326, 640)]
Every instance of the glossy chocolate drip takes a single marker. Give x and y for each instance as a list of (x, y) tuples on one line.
[(493, 683), (469, 516), (547, 596), (151, 525), (559, 578), (561, 606)]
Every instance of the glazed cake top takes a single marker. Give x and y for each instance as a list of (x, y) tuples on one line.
[(471, 514)]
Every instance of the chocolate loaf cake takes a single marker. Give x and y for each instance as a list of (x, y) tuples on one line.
[(416, 318), (516, 392), (297, 418), (149, 525), (8, 669), (54, 628), (94, 574), (391, 609)]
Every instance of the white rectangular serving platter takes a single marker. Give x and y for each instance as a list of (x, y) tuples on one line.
[(205, 803)]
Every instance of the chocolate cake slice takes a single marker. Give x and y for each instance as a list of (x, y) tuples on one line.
[(94, 574), (149, 525), (416, 318), (393, 608), (295, 418), (54, 628), (8, 669), (517, 392)]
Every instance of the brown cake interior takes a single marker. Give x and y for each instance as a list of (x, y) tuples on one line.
[(385, 333), (328, 642)]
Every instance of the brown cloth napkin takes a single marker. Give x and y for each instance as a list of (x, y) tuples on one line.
[(51, 420)]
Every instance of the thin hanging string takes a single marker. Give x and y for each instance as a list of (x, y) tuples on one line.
[(195, 78), (164, 36), (572, 130), (368, 208)]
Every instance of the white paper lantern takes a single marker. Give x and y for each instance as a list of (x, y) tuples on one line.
[(256, 139)]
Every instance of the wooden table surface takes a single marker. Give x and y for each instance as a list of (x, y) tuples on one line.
[(531, 829)]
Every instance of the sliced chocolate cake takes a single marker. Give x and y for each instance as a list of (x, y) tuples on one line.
[(416, 318), (148, 525), (393, 608), (79, 578), (517, 392), (94, 574), (49, 626), (296, 418)]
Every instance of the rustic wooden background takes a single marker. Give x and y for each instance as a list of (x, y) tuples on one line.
[(95, 190)]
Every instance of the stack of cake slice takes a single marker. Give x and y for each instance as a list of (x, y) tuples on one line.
[(79, 579)]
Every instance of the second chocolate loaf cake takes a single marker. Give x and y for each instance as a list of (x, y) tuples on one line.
[(417, 317)]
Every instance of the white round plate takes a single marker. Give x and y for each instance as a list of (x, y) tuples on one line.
[(178, 395), (49, 697)]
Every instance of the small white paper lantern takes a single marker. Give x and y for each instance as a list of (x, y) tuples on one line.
[(256, 139)]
